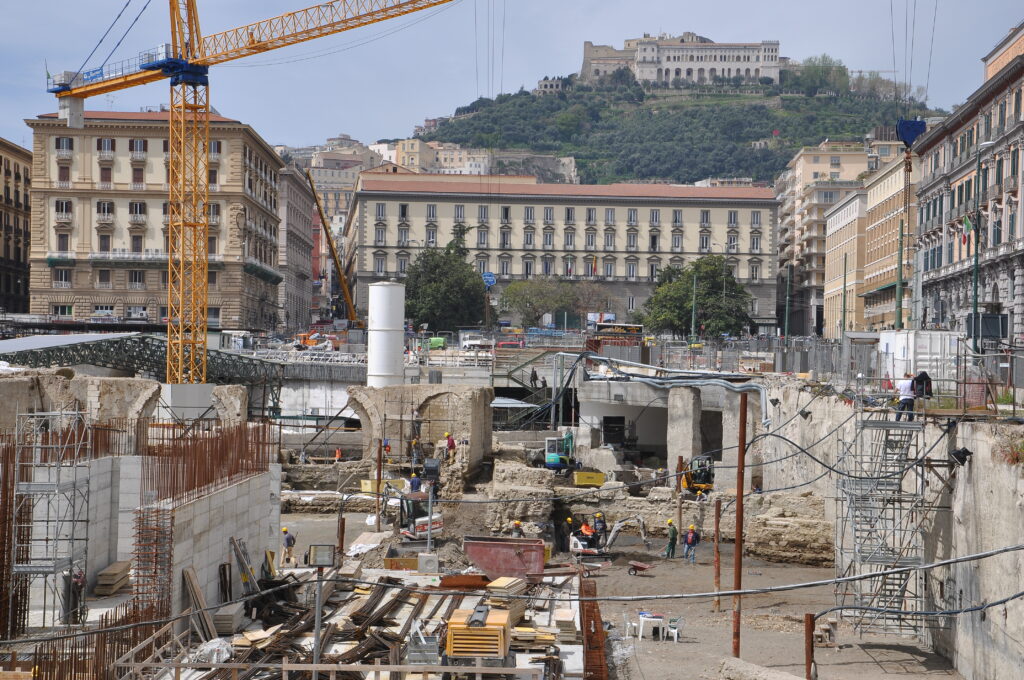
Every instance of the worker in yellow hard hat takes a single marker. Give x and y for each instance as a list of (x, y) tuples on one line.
[(673, 536), (600, 529), (690, 541), (415, 483), (288, 555), (517, 529)]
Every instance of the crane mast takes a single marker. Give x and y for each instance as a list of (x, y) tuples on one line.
[(186, 61)]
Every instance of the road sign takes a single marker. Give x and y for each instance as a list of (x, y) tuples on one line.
[(489, 279)]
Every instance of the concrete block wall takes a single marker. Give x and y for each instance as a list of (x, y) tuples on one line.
[(249, 511), (102, 527), (129, 497), (987, 498)]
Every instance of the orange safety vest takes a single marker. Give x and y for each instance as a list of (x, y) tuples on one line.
[(587, 530)]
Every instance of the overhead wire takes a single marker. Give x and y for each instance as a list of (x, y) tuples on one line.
[(125, 34), (913, 37), (931, 47), (895, 72), (102, 38), (328, 51)]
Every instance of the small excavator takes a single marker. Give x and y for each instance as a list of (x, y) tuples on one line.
[(579, 547), (413, 515), (699, 475)]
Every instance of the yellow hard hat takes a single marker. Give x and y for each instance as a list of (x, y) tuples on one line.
[(669, 522), (598, 515), (284, 530), (569, 520), (414, 474), (517, 522), (447, 434), (692, 527)]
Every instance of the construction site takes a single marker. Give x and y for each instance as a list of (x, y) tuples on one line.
[(390, 503), (474, 525)]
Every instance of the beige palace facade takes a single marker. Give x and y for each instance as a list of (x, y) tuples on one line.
[(99, 221), (618, 235), (845, 223)]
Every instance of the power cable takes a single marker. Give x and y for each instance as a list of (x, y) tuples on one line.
[(317, 54), (125, 34), (910, 73), (931, 47), (102, 38), (553, 598), (933, 614), (895, 73), (476, 48)]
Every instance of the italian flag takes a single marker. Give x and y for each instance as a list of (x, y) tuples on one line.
[(967, 228)]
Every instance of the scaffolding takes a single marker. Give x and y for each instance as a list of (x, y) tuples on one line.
[(51, 510), (884, 501)]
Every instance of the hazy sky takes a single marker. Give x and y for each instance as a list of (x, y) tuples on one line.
[(381, 80)]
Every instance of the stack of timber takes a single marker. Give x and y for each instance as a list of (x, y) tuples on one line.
[(501, 589), (113, 578), (568, 632), (492, 640)]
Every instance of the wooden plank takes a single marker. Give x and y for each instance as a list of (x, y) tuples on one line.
[(208, 630)]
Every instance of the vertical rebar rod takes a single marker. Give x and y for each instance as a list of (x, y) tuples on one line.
[(737, 567)]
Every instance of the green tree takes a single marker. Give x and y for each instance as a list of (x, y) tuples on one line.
[(533, 298), (443, 290), (722, 303)]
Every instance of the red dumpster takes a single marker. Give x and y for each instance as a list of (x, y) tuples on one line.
[(499, 557)]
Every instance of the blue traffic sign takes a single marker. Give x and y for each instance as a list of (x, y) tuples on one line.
[(489, 279)]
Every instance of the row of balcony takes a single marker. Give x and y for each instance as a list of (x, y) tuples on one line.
[(433, 222), (385, 274), (586, 248), (133, 218), (121, 254), (107, 156), (132, 186)]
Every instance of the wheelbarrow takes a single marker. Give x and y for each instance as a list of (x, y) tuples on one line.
[(638, 567)]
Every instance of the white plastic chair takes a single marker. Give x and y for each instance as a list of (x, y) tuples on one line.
[(673, 627)]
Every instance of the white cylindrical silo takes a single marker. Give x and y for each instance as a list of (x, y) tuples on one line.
[(385, 338)]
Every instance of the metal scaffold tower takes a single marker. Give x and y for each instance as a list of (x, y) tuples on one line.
[(51, 509), (882, 507)]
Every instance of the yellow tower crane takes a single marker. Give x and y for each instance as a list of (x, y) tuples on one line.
[(186, 62)]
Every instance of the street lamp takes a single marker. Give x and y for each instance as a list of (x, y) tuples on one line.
[(975, 325)]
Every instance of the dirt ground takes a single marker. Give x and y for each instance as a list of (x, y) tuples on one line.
[(772, 624)]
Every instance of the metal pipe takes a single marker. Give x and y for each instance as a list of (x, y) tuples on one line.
[(808, 646), (737, 567), (318, 618), (718, 555), (380, 474)]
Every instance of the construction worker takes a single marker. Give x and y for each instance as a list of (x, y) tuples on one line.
[(337, 455), (587, 533), (673, 536), (701, 496), (450, 445), (517, 529), (289, 547), (563, 534), (415, 483), (690, 541), (600, 529)]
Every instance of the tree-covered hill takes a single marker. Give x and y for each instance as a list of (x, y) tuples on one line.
[(621, 130)]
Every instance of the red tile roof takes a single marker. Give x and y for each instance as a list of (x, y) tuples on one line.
[(493, 185), (137, 115)]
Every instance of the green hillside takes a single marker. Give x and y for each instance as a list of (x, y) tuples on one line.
[(622, 131)]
